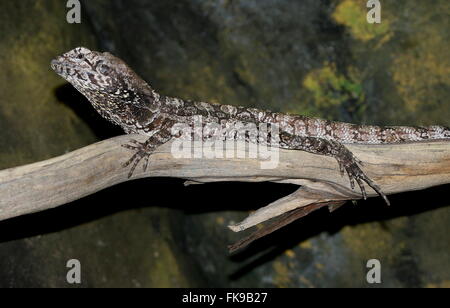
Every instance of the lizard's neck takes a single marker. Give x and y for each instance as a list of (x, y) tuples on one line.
[(129, 108)]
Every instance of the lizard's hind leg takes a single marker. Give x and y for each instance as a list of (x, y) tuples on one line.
[(346, 160)]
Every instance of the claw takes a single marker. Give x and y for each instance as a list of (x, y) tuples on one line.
[(133, 167), (356, 174), (361, 186), (129, 146), (377, 189), (341, 169), (145, 163), (352, 183), (128, 162), (133, 146)]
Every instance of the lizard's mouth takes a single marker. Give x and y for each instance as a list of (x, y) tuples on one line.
[(63, 67), (61, 63), (56, 66)]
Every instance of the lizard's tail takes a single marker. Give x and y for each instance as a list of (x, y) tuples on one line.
[(346, 133), (439, 132), (399, 134)]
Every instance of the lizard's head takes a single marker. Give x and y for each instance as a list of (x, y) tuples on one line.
[(101, 77)]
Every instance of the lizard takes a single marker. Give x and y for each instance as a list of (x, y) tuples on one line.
[(119, 95)]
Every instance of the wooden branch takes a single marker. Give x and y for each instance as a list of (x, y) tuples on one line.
[(396, 168), (282, 221)]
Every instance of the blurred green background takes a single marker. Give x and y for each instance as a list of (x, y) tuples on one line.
[(319, 58)]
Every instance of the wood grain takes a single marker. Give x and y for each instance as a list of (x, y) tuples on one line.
[(54, 182)]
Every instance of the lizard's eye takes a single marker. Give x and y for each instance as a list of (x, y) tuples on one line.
[(80, 56), (103, 69)]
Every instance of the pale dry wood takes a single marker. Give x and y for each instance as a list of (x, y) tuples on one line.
[(396, 168), (281, 221)]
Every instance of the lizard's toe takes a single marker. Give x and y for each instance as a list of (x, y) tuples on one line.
[(356, 174), (142, 151)]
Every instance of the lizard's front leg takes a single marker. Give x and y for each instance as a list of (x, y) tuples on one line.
[(346, 160), (143, 150)]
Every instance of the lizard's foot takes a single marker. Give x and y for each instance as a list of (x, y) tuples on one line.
[(349, 163), (143, 150)]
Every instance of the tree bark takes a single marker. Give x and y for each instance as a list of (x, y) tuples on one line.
[(395, 168)]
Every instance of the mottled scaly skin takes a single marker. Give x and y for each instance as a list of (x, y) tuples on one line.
[(123, 98)]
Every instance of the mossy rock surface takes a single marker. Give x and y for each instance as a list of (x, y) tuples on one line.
[(117, 243), (318, 58)]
